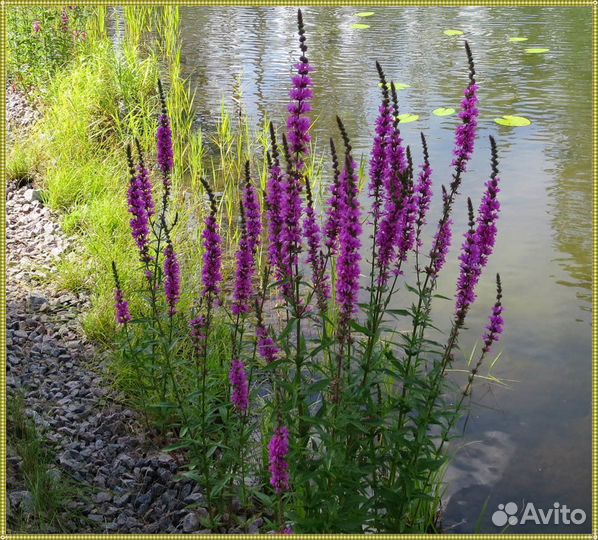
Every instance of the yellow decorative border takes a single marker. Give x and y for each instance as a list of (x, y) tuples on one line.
[(593, 4)]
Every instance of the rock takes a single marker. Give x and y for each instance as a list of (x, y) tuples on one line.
[(190, 522), (31, 195), (102, 497)]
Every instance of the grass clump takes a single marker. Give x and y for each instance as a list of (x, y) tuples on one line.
[(48, 494)]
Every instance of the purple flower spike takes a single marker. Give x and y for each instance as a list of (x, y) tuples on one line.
[(333, 205), (212, 245), (348, 265), (379, 153), (165, 156), (442, 239), (265, 345), (253, 214), (123, 315), (145, 184), (198, 332), (274, 196), (488, 211), (466, 132), (251, 225), (298, 123), (291, 235), (278, 449), (480, 240), (315, 257), (286, 530), (172, 279), (245, 270), (136, 199), (238, 379), (423, 191), (495, 326)]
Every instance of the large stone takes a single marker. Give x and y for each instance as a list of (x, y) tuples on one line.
[(32, 195)]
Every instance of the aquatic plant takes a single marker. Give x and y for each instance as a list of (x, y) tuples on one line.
[(304, 358)]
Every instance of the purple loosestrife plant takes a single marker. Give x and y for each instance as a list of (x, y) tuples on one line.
[(361, 400), (238, 380)]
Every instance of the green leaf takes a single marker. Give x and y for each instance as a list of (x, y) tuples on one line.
[(517, 39), (443, 111), (360, 26), (364, 14), (453, 32), (398, 85), (512, 121), (536, 51), (407, 118)]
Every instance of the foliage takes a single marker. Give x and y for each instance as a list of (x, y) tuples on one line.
[(41, 41)]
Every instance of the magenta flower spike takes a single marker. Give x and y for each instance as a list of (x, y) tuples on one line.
[(495, 321), (278, 450), (273, 197), (265, 345), (137, 202), (165, 151), (466, 131), (172, 278), (423, 191), (238, 380), (379, 153), (348, 264), (253, 213), (145, 183), (333, 205), (301, 93), (121, 306), (212, 245)]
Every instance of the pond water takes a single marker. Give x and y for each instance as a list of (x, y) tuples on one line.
[(530, 441)]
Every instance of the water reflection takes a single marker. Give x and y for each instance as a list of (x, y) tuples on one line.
[(530, 441)]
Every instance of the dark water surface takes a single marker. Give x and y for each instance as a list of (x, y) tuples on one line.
[(530, 441)]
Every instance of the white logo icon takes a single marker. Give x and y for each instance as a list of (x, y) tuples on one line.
[(505, 514)]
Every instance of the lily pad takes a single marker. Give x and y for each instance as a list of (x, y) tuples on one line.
[(517, 39), (536, 51), (443, 111), (512, 121), (453, 32), (360, 26), (407, 118), (398, 86), (364, 14)]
